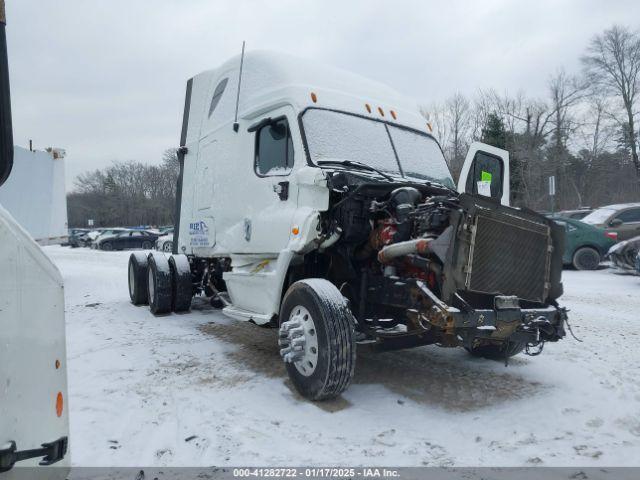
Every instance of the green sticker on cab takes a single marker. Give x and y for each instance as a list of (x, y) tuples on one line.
[(485, 176)]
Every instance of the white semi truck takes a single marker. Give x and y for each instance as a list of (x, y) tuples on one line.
[(34, 421), (318, 202)]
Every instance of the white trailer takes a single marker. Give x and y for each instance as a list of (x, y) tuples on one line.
[(318, 202), (34, 418), (35, 194)]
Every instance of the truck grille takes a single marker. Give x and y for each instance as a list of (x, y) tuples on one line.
[(509, 255)]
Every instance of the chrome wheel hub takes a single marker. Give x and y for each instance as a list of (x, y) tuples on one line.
[(299, 341)]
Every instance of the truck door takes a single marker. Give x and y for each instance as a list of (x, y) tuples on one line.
[(255, 194), (486, 172), (268, 226)]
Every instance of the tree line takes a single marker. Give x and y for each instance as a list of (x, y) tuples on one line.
[(126, 194), (584, 132)]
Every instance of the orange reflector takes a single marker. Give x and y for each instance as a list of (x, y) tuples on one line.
[(59, 404), (57, 364), (393, 114), (368, 107), (429, 127), (381, 111), (295, 230), (314, 97)]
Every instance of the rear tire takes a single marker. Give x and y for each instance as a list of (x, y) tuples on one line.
[(181, 285), (318, 301), (137, 274), (159, 280), (586, 258), (497, 352)]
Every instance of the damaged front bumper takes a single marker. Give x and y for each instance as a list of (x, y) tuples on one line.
[(468, 327), (505, 322)]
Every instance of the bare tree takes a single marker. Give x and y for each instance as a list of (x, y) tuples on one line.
[(451, 123), (129, 193), (612, 61), (566, 91)]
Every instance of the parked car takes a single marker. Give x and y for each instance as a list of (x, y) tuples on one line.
[(622, 220), (625, 255), (107, 232), (77, 236), (575, 214), (127, 239), (165, 242), (585, 245)]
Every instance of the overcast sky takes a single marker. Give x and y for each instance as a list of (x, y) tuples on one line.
[(105, 79)]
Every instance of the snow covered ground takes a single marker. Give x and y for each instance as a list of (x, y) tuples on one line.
[(198, 389)]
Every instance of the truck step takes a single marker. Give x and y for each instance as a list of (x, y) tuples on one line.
[(245, 315)]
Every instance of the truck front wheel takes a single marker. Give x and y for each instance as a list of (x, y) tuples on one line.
[(317, 339)]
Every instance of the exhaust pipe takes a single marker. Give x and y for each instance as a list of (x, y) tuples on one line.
[(6, 129)]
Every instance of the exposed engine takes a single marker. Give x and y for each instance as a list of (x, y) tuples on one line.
[(405, 236), (425, 257)]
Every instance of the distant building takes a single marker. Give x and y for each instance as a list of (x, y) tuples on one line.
[(35, 194)]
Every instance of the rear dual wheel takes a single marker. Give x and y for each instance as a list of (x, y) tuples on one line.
[(138, 283), (164, 283), (159, 281), (181, 284)]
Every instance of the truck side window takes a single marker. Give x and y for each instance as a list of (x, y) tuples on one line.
[(217, 95), (485, 176), (274, 149)]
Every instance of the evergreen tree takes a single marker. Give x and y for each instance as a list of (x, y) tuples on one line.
[(494, 132)]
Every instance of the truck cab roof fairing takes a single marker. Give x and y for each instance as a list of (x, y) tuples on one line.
[(270, 78)]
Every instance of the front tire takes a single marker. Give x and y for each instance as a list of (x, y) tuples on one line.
[(137, 274), (317, 339), (586, 258), (147, 245), (159, 280), (167, 247), (107, 246)]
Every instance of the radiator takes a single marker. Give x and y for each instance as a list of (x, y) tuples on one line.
[(509, 255)]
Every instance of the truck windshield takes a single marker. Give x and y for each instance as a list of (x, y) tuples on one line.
[(408, 153)]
